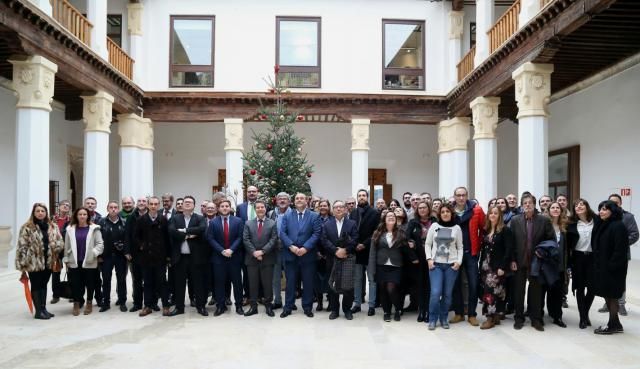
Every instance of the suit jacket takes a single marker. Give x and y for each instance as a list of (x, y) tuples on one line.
[(542, 231), (398, 253), (267, 242), (366, 224), (215, 237), (306, 234), (347, 238), (242, 211), (172, 212), (152, 241), (200, 250)]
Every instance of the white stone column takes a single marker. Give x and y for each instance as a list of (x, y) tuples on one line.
[(359, 154), (485, 122), (453, 154), (136, 155), (134, 24), (44, 5), (97, 15), (456, 27), (484, 21), (533, 88), (96, 115), (234, 147), (528, 10), (33, 82)]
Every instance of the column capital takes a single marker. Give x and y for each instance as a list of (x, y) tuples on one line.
[(135, 131), (233, 134), (485, 116), (33, 81), (360, 134), (533, 88), (453, 134), (456, 24), (134, 18), (96, 112)]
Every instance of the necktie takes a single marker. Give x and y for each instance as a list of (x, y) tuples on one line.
[(252, 211), (166, 214), (299, 217), (259, 228), (226, 233)]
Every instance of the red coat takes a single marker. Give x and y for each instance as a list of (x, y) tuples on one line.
[(476, 229)]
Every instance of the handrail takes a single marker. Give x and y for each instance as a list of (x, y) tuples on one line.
[(72, 20), (120, 59), (466, 64), (505, 27)]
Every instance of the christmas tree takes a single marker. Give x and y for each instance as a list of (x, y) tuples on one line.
[(276, 162)]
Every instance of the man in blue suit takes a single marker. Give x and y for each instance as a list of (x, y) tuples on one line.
[(247, 210), (300, 232), (225, 237)]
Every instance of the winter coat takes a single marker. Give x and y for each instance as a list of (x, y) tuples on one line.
[(610, 244), (152, 241), (501, 252), (30, 249), (94, 247), (471, 223)]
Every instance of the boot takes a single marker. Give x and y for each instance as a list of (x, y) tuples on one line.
[(38, 303), (88, 308), (497, 319), (253, 310), (43, 294), (320, 306), (76, 309), (489, 323)]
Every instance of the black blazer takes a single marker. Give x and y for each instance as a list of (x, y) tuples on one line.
[(397, 253), (542, 231), (198, 246), (366, 225), (501, 252), (152, 241), (331, 240)]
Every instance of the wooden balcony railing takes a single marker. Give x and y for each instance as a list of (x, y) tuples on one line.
[(119, 59), (544, 3), (72, 20), (506, 26), (466, 64)]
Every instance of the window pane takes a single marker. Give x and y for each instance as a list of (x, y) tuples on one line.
[(559, 168), (403, 46), (377, 192), (299, 79), (192, 79), (192, 41), (402, 81), (298, 43)]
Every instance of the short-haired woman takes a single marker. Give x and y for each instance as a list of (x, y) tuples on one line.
[(39, 243)]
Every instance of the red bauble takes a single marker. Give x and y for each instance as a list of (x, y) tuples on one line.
[(280, 170), (276, 69), (252, 172), (269, 146), (299, 117), (309, 174), (260, 177), (263, 116)]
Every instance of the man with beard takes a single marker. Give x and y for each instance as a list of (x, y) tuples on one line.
[(367, 219), (131, 253)]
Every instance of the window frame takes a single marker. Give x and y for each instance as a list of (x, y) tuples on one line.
[(404, 71), (573, 172), (300, 69), (192, 68)]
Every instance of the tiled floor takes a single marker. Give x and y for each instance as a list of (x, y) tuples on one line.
[(123, 340)]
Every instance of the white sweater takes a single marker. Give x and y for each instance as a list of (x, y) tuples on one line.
[(448, 250)]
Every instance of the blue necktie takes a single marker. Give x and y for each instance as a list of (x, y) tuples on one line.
[(299, 217)]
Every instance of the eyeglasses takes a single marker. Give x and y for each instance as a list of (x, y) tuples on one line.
[(351, 203)]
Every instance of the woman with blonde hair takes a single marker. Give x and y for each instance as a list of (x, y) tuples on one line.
[(39, 243), (555, 292)]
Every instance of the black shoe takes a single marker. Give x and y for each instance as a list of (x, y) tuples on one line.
[(309, 313), (118, 303), (277, 306), (219, 311), (40, 314), (285, 313), (606, 330), (319, 307), (252, 311), (294, 307), (537, 326), (559, 323), (175, 312), (123, 307), (192, 303), (582, 324), (356, 309), (518, 324), (420, 317), (155, 308), (203, 311), (396, 316), (371, 312), (387, 317), (334, 315), (212, 302), (348, 315), (588, 322), (227, 302), (135, 308), (239, 310), (268, 309), (104, 308)]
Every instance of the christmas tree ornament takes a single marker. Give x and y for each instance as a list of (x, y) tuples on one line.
[(269, 146), (253, 172), (280, 170)]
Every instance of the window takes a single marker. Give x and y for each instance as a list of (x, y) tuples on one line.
[(114, 28), (298, 51), (191, 59), (472, 34), (378, 186), (564, 172), (403, 55)]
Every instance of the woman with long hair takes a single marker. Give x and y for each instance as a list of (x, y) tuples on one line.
[(39, 242), (496, 255), (417, 275), (581, 260), (393, 204), (443, 249), (82, 246), (388, 254), (401, 218), (555, 292)]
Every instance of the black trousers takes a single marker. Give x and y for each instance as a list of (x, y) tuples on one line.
[(136, 282), (224, 272), (171, 283), (197, 274), (418, 286), (334, 300), (39, 280), (260, 275), (83, 280), (119, 262), (533, 294), (155, 284), (554, 295)]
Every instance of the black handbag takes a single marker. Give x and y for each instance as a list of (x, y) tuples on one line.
[(63, 289), (342, 275)]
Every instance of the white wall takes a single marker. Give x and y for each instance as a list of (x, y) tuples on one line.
[(188, 156), (245, 41)]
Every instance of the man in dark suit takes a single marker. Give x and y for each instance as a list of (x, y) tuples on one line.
[(190, 255), (339, 237), (367, 219), (247, 211), (529, 229), (225, 237), (300, 233), (168, 211), (260, 238)]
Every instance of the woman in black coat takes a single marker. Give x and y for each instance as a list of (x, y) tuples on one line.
[(417, 275), (610, 242)]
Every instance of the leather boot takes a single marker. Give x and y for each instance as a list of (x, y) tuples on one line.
[(253, 310), (489, 323), (43, 294), (76, 309), (36, 296), (88, 308)]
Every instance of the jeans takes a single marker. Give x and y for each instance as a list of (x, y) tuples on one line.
[(120, 263), (359, 285), (277, 278), (470, 266), (442, 278)]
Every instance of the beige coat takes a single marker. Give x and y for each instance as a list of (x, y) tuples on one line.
[(94, 246), (30, 255)]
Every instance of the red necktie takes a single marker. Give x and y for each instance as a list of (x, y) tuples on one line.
[(226, 233), (259, 228)]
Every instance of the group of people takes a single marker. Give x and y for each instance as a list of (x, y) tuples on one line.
[(445, 254)]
